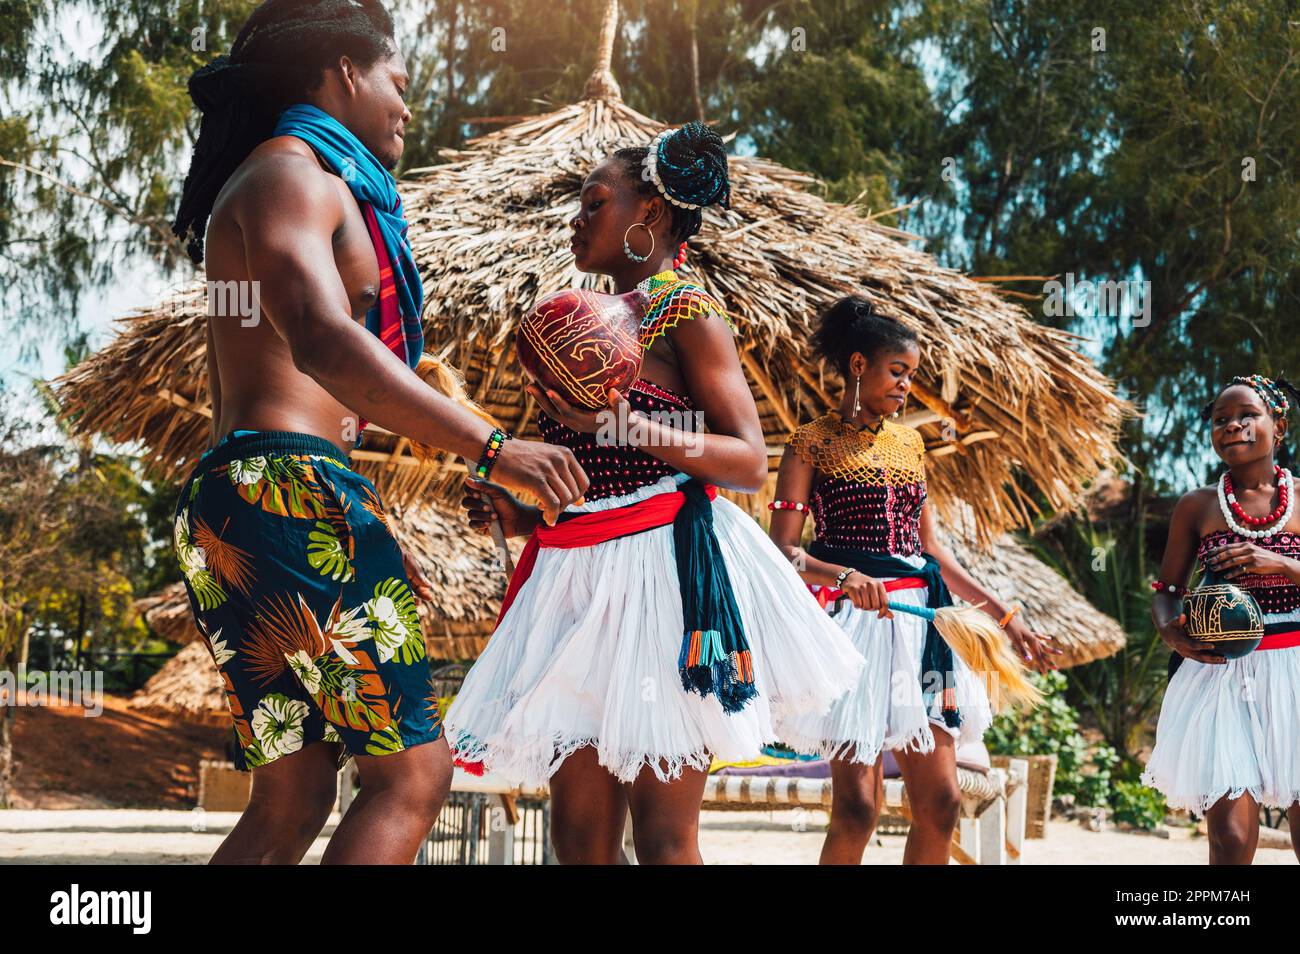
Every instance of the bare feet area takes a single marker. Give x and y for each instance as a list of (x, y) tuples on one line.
[(121, 788)]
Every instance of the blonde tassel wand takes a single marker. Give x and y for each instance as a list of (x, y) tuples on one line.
[(982, 646), (447, 381)]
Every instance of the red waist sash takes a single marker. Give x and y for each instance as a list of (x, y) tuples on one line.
[(1287, 640), (588, 529)]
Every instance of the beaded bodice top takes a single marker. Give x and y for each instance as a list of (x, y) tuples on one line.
[(868, 488), (1274, 592), (614, 469)]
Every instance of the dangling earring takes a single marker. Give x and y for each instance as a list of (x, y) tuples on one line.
[(627, 249), (857, 391)]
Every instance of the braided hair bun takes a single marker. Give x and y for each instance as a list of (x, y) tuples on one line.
[(691, 165), (687, 167)]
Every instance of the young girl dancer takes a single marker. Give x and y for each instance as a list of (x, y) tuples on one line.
[(1227, 742), (655, 627), (862, 476)]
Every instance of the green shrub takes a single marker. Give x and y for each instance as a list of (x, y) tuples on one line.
[(1051, 729), (1091, 780), (1095, 781), (1135, 804)]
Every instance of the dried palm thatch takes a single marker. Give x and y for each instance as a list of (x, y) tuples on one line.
[(188, 687), (167, 614), (999, 394), (1050, 604)]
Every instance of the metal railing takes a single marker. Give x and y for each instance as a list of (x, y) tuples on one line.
[(474, 828)]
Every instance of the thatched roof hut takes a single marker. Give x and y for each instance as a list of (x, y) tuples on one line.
[(167, 614), (999, 394), (1049, 603), (188, 686)]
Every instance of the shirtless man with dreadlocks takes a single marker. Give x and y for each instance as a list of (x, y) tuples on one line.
[(304, 597)]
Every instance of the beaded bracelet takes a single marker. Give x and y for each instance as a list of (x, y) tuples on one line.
[(787, 505), (839, 580), (487, 460), (1007, 618), (1173, 589)]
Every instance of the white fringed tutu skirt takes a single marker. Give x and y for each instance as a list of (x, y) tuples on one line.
[(886, 709), (1228, 729), (587, 655)]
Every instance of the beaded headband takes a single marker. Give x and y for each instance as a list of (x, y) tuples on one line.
[(1273, 396)]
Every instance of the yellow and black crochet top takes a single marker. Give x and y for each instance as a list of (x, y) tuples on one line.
[(837, 448), (869, 488)]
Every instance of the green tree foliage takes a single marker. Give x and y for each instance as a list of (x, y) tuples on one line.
[(97, 126), (76, 548), (832, 91), (1156, 141)]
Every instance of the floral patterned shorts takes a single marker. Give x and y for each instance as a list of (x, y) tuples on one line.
[(297, 585)]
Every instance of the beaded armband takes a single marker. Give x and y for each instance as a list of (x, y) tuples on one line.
[(491, 451), (787, 505), (1173, 589)]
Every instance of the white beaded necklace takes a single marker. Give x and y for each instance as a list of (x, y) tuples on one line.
[(1246, 531)]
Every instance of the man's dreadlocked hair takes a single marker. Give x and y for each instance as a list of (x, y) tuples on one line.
[(277, 59), (1279, 395), (692, 164)]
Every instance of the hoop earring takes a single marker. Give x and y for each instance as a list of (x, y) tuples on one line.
[(857, 391), (627, 249)]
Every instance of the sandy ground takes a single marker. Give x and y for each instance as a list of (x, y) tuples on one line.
[(127, 836)]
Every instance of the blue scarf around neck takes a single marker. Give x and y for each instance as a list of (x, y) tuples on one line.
[(374, 186)]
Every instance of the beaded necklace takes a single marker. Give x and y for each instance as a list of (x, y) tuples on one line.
[(1232, 509), (673, 300)]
